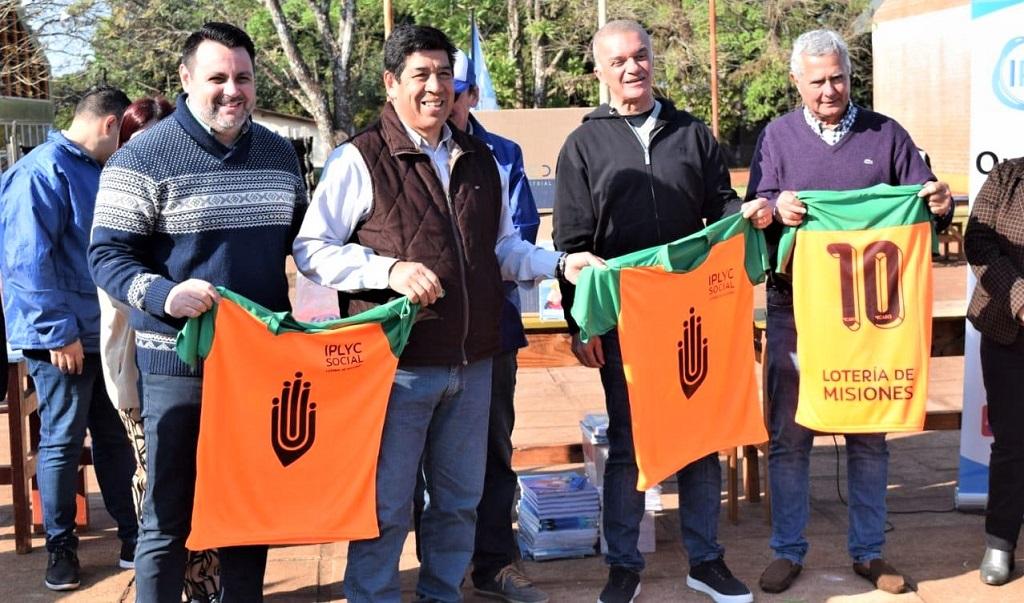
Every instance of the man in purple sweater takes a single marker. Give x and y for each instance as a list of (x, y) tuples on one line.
[(827, 144)]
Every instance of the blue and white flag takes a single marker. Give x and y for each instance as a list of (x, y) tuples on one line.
[(488, 99)]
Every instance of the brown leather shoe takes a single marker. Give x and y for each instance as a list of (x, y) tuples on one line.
[(884, 576), (779, 575)]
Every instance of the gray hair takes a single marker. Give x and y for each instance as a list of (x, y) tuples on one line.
[(622, 26), (819, 43)]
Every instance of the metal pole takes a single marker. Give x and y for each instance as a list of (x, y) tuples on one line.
[(389, 19), (602, 18), (714, 67)]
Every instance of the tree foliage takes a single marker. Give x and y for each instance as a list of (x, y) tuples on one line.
[(538, 51)]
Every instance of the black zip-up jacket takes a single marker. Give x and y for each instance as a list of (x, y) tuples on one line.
[(612, 198)]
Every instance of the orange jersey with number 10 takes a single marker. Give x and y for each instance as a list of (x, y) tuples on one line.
[(862, 300)]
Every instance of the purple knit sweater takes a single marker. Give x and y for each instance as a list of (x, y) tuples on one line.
[(792, 157), (876, 150)]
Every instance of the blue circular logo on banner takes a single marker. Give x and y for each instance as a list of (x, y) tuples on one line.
[(1008, 77)]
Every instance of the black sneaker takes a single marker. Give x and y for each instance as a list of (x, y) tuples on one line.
[(127, 558), (512, 586), (623, 586), (714, 579), (62, 570)]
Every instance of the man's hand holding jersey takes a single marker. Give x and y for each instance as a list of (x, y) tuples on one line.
[(415, 281), (938, 197), (576, 262), (590, 354), (788, 209), (189, 299), (758, 211)]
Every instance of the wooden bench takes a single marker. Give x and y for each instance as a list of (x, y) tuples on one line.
[(549, 346), (21, 406), (948, 326)]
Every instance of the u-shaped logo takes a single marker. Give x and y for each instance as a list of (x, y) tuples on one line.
[(1008, 76), (693, 355), (293, 421)]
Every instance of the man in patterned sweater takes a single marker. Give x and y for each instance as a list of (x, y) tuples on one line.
[(202, 199)]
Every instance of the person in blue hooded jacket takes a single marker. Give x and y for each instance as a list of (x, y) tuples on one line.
[(53, 316), (495, 571)]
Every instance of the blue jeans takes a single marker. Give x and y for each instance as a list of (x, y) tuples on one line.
[(700, 482), (437, 414), (170, 417), (495, 541), (68, 404), (867, 456)]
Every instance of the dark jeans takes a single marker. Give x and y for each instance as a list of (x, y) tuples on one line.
[(170, 414), (700, 482), (1001, 369), (68, 404), (495, 545)]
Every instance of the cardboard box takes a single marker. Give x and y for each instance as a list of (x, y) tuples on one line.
[(595, 457)]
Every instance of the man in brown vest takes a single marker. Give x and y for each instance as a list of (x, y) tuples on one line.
[(412, 206)]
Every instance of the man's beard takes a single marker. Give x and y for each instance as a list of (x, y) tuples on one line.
[(217, 123)]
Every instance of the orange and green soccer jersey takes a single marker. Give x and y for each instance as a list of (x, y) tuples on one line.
[(683, 313), (292, 416), (862, 300)]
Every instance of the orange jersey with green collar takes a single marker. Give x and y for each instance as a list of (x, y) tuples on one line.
[(292, 416), (683, 313)]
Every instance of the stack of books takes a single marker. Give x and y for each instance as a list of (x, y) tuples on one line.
[(594, 429), (558, 516)]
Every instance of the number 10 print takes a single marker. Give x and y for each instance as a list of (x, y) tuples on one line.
[(878, 274)]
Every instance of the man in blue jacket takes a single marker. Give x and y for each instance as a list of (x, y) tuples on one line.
[(495, 572), (53, 317)]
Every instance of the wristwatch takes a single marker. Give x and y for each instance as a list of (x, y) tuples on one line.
[(560, 267)]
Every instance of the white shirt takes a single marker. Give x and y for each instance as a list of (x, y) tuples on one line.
[(344, 198)]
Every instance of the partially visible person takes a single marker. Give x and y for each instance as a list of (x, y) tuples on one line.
[(828, 143), (121, 373), (994, 243), (46, 213), (3, 351), (117, 338), (496, 571), (204, 198)]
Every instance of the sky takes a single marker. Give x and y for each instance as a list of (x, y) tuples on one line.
[(62, 36)]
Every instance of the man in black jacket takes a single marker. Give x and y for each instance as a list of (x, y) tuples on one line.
[(639, 173)]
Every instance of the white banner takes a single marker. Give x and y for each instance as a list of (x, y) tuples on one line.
[(997, 123)]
